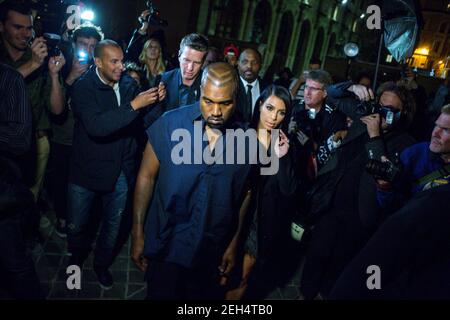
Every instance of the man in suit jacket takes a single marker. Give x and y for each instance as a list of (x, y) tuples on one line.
[(250, 85), (183, 84)]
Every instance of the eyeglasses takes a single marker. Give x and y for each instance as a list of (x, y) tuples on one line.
[(313, 88)]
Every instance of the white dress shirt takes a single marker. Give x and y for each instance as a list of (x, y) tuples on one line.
[(255, 91)]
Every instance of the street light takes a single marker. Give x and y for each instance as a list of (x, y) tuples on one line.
[(351, 50)]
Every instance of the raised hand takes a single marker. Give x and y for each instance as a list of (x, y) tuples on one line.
[(282, 148), (362, 92), (39, 51), (55, 64), (373, 123), (145, 98), (161, 91)]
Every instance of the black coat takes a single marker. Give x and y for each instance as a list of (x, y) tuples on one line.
[(272, 202), (104, 141), (243, 109), (410, 248), (343, 205)]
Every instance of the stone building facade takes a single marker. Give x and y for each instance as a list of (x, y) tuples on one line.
[(287, 32)]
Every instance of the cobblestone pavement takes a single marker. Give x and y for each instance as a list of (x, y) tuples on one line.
[(51, 259)]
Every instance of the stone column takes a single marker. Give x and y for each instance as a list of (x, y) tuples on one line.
[(294, 39), (244, 18), (250, 18), (203, 15), (273, 36)]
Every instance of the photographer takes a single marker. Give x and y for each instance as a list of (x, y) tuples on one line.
[(79, 58), (41, 72), (424, 166), (411, 247), (343, 199), (315, 127)]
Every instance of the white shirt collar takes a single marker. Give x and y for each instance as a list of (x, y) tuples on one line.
[(253, 84), (115, 86)]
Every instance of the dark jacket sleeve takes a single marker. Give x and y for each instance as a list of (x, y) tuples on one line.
[(135, 47), (15, 129), (342, 99), (99, 123)]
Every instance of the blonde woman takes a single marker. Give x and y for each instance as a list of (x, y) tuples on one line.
[(151, 59)]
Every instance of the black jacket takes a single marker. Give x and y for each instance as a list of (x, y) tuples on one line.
[(243, 110), (171, 80), (343, 181), (104, 141), (271, 201)]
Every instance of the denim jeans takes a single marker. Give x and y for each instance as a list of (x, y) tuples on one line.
[(79, 209)]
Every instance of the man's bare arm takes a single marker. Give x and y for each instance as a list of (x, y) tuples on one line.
[(142, 196)]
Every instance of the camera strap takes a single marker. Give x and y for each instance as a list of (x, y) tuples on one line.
[(437, 174)]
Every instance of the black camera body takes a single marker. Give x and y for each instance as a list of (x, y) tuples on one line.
[(388, 171), (154, 17), (52, 41), (364, 108)]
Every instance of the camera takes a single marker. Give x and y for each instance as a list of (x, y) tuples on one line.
[(82, 57), (388, 171), (154, 17), (52, 41), (389, 113), (364, 108)]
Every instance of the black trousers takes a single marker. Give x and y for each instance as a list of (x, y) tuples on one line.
[(16, 264), (57, 177), (170, 281)]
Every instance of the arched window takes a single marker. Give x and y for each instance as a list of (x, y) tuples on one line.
[(302, 46), (261, 22), (284, 39), (318, 44), (228, 18)]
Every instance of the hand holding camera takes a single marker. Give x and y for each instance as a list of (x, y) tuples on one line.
[(78, 68), (39, 51), (362, 92), (384, 171), (373, 123), (145, 98), (143, 20)]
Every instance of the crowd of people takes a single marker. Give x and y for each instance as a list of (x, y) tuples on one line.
[(364, 175)]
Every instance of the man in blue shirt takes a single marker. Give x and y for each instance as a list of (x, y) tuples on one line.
[(418, 161), (183, 84), (193, 205)]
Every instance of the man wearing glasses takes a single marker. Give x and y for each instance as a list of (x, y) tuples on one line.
[(316, 127)]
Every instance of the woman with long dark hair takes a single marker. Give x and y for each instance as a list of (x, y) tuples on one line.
[(265, 210)]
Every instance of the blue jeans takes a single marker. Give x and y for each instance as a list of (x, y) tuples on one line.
[(79, 209)]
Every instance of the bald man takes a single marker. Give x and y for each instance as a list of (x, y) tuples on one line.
[(193, 205), (105, 104), (250, 84)]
